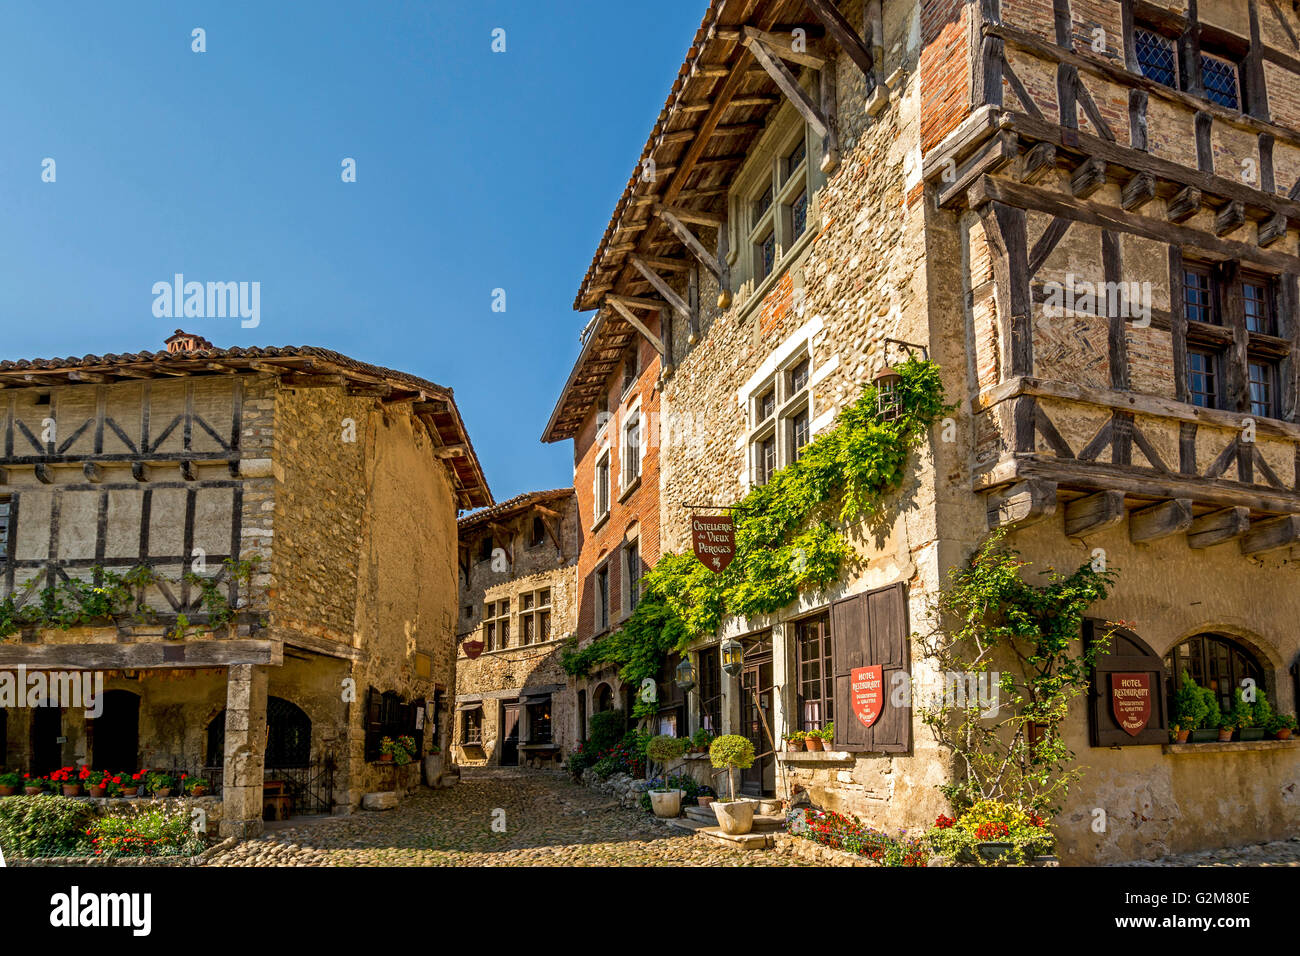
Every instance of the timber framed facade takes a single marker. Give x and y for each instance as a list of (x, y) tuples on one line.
[(295, 510), (1086, 212)]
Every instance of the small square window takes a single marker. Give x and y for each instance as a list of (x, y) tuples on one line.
[(1219, 76), (1263, 393), (1202, 379), (798, 434), (1258, 305), (799, 377), (767, 404), (795, 158), (1156, 57), (765, 465), (1198, 296)]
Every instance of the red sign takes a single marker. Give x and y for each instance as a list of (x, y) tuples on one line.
[(1130, 700), (714, 539), (867, 693), (472, 649)]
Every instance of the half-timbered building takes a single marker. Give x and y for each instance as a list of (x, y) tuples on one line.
[(1081, 210), (277, 529)]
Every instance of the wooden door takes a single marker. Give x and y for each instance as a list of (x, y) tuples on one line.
[(509, 735), (758, 718), (47, 752)]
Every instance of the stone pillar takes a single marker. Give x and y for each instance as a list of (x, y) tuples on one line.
[(241, 813), (785, 683)]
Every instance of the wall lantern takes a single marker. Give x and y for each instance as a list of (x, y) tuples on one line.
[(685, 675), (889, 399), (733, 656)]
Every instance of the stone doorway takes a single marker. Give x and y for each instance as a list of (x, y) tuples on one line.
[(116, 733), (758, 719), (509, 734)]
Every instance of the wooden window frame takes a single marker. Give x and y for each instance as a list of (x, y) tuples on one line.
[(826, 669), (537, 533), (603, 602), (630, 472), (709, 698), (6, 526), (1198, 656), (471, 729), (496, 625), (790, 398), (603, 497), (534, 614)]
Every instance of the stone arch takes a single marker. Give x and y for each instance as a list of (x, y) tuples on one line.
[(288, 738)]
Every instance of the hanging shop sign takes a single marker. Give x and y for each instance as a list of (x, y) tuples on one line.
[(1130, 701), (713, 537)]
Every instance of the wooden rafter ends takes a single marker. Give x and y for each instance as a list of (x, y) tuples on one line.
[(691, 241), (621, 306), (843, 33)]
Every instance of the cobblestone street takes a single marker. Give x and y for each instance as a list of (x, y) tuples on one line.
[(549, 822)]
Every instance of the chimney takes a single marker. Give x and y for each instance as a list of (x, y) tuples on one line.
[(181, 341)]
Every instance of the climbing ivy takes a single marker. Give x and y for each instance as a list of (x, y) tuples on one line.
[(789, 533), (113, 596)]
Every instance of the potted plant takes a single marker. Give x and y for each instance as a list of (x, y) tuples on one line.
[(159, 784), (64, 779), (1227, 726), (827, 735), (666, 802), (1280, 726), (813, 741), (1190, 714), (700, 741), (405, 750), (1261, 713), (706, 795), (733, 752), (1178, 734), (33, 786), (198, 787), (795, 740), (387, 747), (9, 784), (131, 785), (95, 782)]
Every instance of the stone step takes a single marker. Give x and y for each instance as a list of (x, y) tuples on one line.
[(768, 822), (691, 826), (741, 841), (702, 814)]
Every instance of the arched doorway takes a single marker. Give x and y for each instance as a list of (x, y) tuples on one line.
[(47, 752), (288, 736), (116, 732), (603, 699)]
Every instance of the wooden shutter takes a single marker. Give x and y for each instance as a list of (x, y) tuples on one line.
[(869, 629), (1127, 653), (374, 723)]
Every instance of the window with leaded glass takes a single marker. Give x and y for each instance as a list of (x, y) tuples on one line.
[(1220, 78), (799, 376), (632, 573), (710, 690), (816, 675), (602, 486), (774, 193), (1199, 304), (472, 726), (767, 404), (631, 450), (1157, 57), (602, 598), (5, 519), (765, 256), (766, 463), (798, 434), (1202, 378), (1263, 388)]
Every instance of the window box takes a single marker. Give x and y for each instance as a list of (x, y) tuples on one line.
[(1231, 746), (815, 756)]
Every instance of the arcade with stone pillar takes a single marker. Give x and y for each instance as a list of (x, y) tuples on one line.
[(245, 751)]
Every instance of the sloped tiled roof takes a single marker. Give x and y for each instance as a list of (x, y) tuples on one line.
[(511, 506)]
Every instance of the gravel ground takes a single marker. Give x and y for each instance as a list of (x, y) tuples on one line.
[(548, 822), (1278, 853)]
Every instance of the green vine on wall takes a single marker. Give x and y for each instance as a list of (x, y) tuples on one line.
[(113, 596), (789, 533)]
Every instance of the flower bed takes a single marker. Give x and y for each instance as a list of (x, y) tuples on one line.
[(992, 833), (55, 826), (850, 835)]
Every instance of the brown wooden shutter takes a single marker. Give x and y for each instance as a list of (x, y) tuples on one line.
[(1127, 653), (869, 629), (374, 724)]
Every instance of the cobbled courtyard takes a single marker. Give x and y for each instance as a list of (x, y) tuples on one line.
[(548, 822)]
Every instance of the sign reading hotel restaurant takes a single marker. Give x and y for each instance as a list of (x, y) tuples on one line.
[(1130, 700), (714, 539), (867, 692)]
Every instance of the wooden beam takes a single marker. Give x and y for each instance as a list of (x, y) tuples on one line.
[(783, 46), (1138, 191), (451, 451), (632, 320), (843, 33), (1271, 230), (1035, 164), (662, 287), (789, 85), (1218, 527), (1022, 504), (1160, 521), (1088, 177), (1094, 513), (144, 655), (1230, 218), (94, 474), (698, 216), (689, 239), (1271, 534)]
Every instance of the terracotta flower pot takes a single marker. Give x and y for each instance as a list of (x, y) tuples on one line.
[(8, 791), (814, 743), (1225, 734), (33, 791), (96, 791), (1284, 733), (163, 792), (72, 789), (1181, 736), (705, 801), (130, 791), (793, 745), (199, 792)]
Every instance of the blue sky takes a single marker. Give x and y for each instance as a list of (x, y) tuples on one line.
[(475, 171)]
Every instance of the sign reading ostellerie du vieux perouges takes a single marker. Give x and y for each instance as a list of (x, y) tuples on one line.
[(714, 539)]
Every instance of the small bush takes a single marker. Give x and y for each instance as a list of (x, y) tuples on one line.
[(156, 831), (44, 825), (732, 751), (605, 729), (664, 749)]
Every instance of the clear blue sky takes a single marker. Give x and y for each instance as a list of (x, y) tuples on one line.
[(475, 171)]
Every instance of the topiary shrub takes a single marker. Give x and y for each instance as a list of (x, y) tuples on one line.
[(663, 750), (44, 825), (733, 752)]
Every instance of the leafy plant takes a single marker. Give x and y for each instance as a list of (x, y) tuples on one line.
[(991, 617), (701, 739), (992, 821), (156, 780), (733, 752), (663, 750), (10, 780), (44, 826), (789, 536), (848, 833), (146, 831)]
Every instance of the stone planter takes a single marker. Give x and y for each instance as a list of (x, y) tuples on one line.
[(432, 768), (735, 817), (666, 803), (1204, 736), (993, 849), (1251, 733)]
